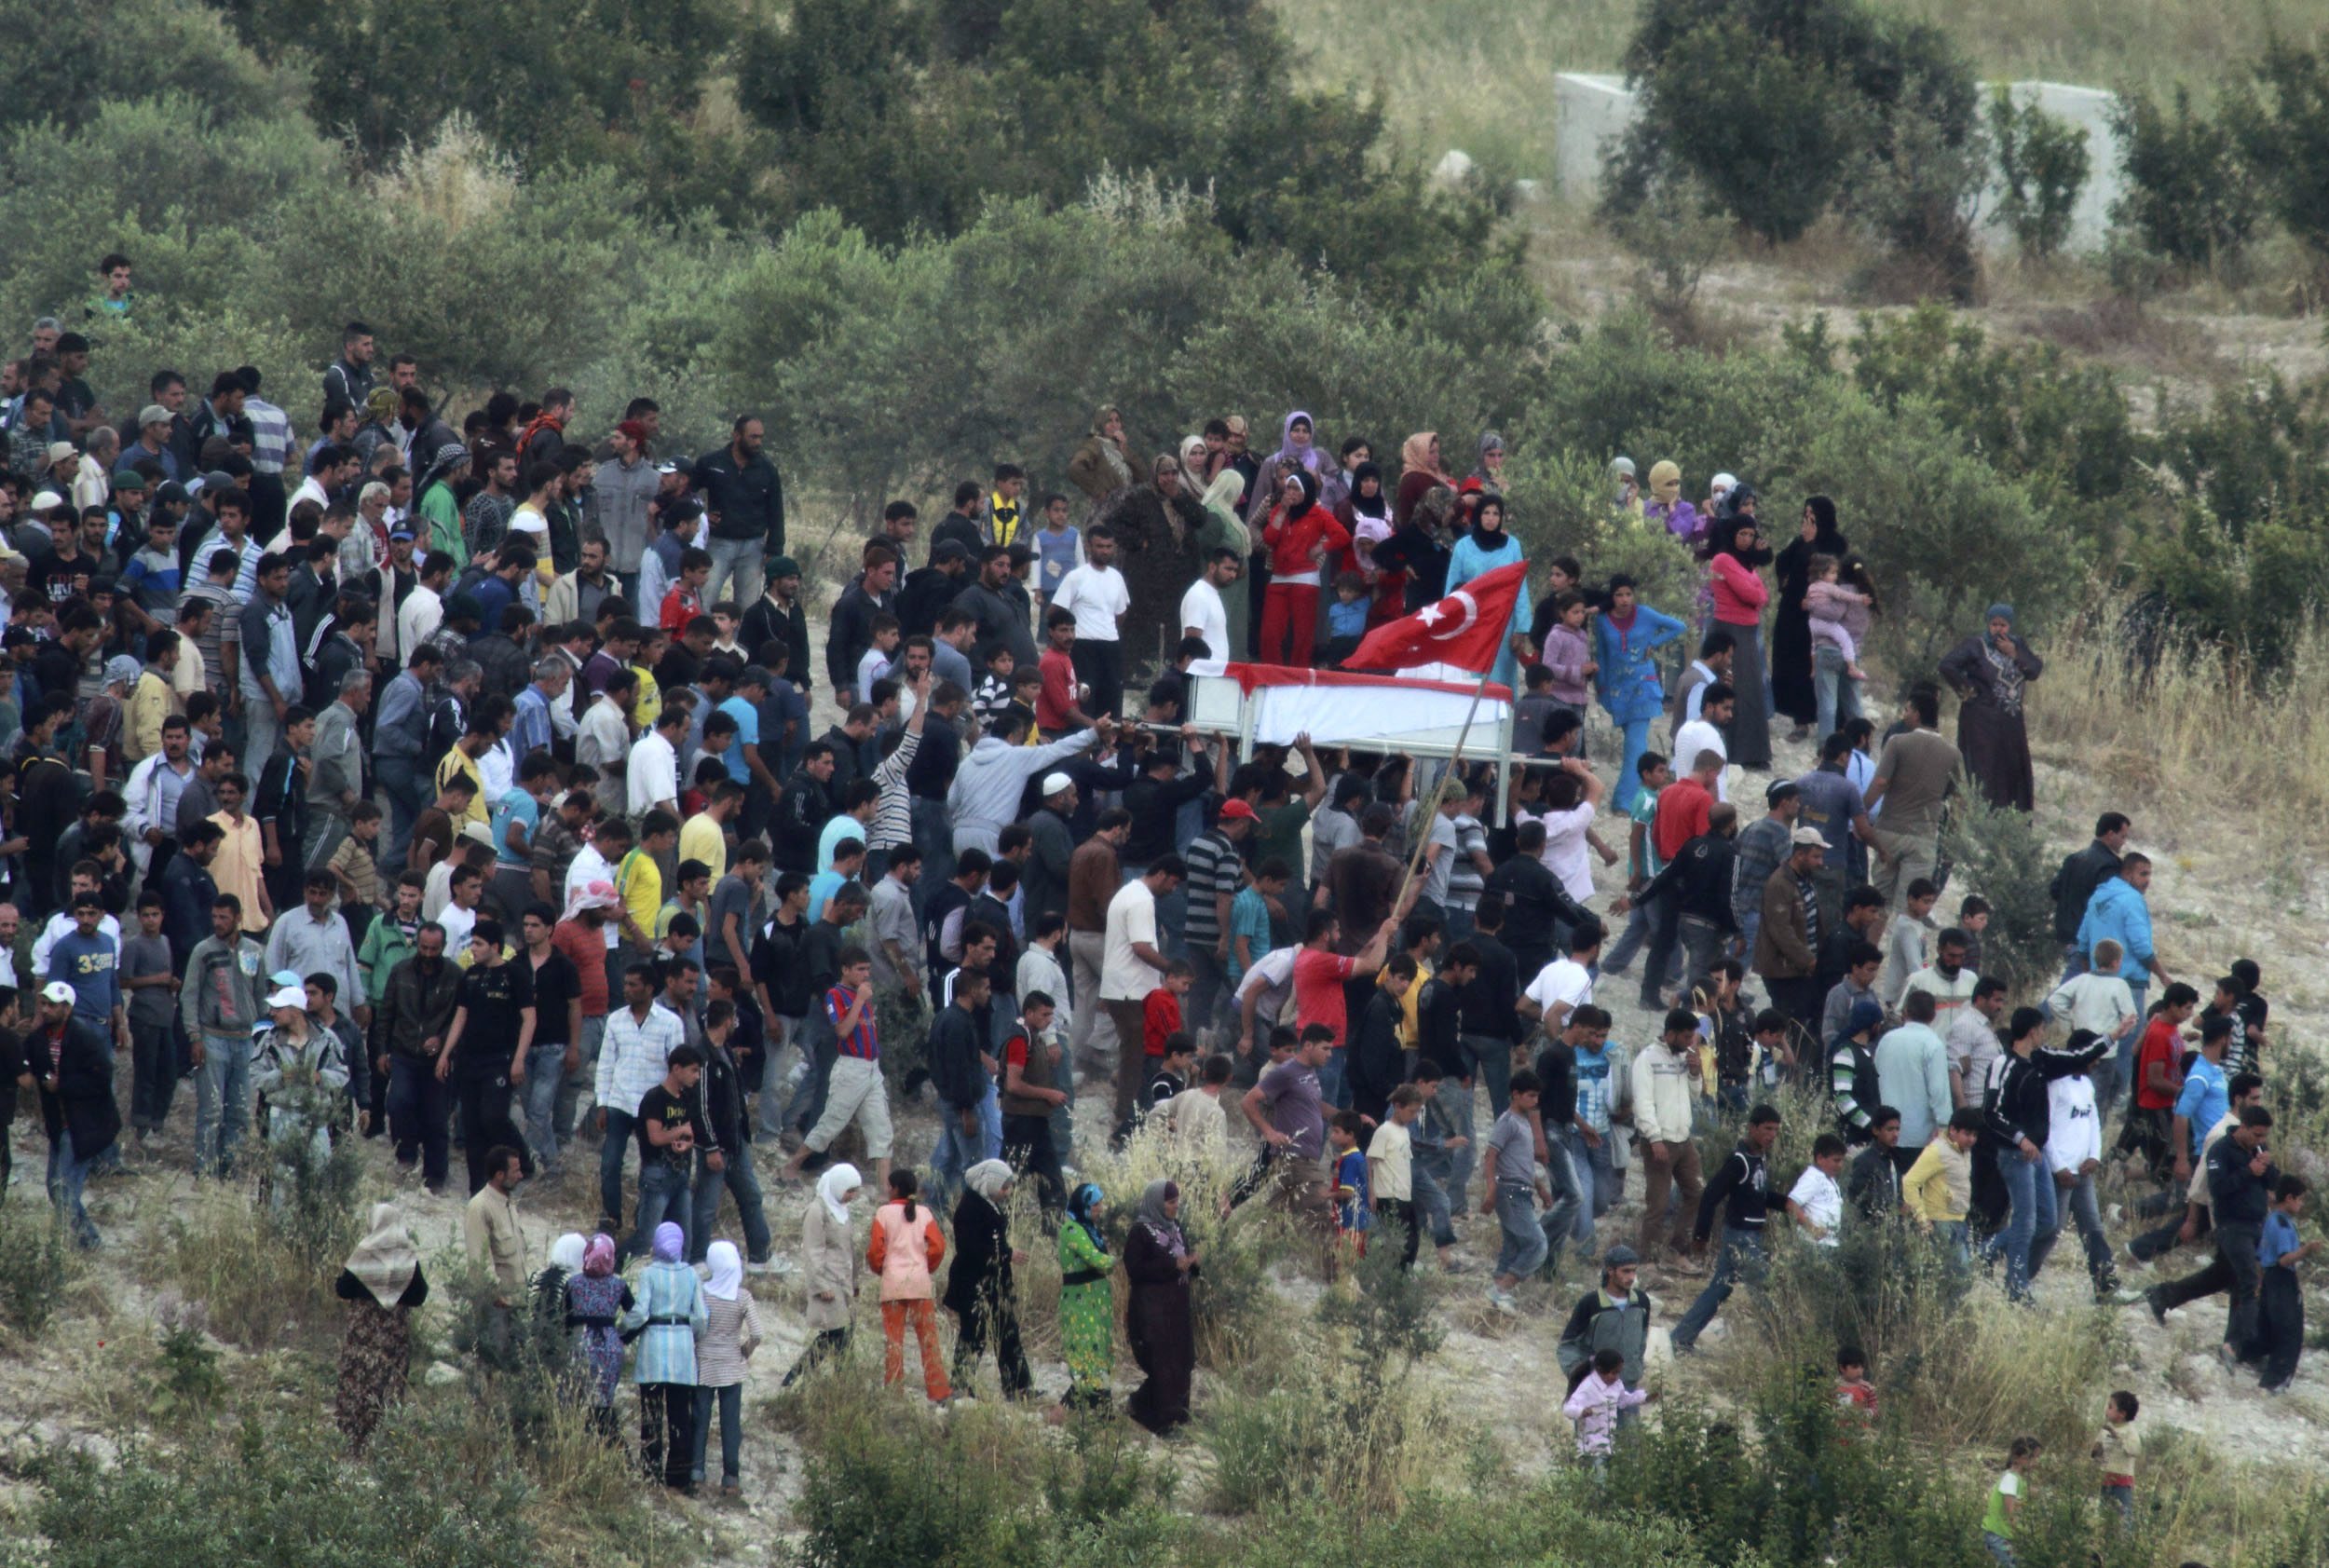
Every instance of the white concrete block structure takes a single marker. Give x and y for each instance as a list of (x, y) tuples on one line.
[(1591, 112)]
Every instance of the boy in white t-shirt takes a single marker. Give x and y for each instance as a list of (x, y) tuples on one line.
[(1816, 1202), (1564, 985), (1391, 1169)]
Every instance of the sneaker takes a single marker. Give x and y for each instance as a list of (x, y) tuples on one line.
[(2282, 1387), (2122, 1296), (2228, 1357), (1455, 1265), (1502, 1300)]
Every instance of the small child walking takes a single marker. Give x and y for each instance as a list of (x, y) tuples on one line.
[(2118, 1450), (1594, 1405), (2004, 1501), (905, 1249), (1354, 1194), (2280, 1318)]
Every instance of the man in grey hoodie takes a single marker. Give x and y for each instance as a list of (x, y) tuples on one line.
[(220, 1004), (984, 798)]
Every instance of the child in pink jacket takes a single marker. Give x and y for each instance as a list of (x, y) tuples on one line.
[(905, 1249), (1594, 1404)]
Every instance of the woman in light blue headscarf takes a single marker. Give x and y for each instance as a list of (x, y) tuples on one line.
[(1487, 547)]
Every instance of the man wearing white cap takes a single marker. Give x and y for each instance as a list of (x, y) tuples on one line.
[(299, 1068), (73, 1072), (984, 798)]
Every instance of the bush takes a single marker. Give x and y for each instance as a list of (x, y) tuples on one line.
[(280, 1482), (2189, 196), (1999, 853), (2041, 166), (2282, 131), (1790, 109), (265, 1272), (36, 1262)]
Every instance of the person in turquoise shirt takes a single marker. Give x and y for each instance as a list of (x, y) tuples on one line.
[(1632, 691), (1483, 549)]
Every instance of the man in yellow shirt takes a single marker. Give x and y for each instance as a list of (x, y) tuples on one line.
[(704, 835), (639, 886), (460, 760)]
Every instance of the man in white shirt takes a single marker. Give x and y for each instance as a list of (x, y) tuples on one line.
[(423, 609), (2074, 1153), (1095, 594), (1132, 964), (653, 774), (1570, 801), (1263, 994), (1705, 732), (1564, 985), (1203, 615)]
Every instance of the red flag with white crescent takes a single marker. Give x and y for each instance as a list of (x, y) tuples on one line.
[(1464, 630)]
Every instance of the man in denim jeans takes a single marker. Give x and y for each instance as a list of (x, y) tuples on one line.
[(1510, 1188), (633, 1056), (219, 1005), (672, 1132), (1741, 1188)]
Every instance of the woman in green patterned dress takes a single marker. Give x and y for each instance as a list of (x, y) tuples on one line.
[(1087, 1305)]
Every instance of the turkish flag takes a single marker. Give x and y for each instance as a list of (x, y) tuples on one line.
[(1464, 630)]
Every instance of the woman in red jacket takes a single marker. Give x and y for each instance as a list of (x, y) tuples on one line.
[(1734, 558), (1299, 535)]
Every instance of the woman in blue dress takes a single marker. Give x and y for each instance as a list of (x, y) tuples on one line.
[(1631, 689), (1484, 548)]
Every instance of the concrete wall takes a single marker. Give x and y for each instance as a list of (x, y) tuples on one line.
[(2089, 110), (1590, 112)]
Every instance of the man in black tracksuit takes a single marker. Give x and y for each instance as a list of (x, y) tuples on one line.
[(1743, 1184), (2240, 1180)]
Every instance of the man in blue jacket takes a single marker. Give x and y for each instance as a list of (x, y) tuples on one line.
[(2117, 910)]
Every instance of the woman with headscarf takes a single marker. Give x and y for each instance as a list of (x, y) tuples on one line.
[(1224, 528), (1297, 448), (1103, 464), (1087, 1301), (1491, 469), (731, 1334), (1666, 506), (1734, 563), (1420, 471), (1625, 489), (1418, 549), (981, 1291), (382, 1284), (1194, 465), (672, 1310), (1485, 549), (1632, 692), (1792, 689), (1989, 673), (828, 1268), (1301, 536), (1159, 1263), (1366, 512), (596, 1300)]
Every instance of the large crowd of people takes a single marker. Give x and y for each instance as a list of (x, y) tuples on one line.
[(381, 781)]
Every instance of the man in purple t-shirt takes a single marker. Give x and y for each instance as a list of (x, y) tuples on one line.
[(1285, 1108)]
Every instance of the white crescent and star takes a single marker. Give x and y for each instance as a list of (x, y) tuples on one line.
[(1471, 613)]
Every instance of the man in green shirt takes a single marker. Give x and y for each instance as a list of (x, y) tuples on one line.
[(447, 468)]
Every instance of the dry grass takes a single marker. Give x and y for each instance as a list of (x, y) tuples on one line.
[(2185, 729)]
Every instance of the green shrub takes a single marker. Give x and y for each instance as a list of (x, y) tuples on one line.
[(36, 1262), (2042, 167), (2189, 196), (283, 1491), (1999, 853), (2283, 131), (1790, 109), (265, 1273)]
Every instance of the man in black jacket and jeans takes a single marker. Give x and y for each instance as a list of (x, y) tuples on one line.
[(75, 1073), (2020, 1122), (730, 1166), (2240, 1180), (2075, 883), (1742, 1188), (745, 500)]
